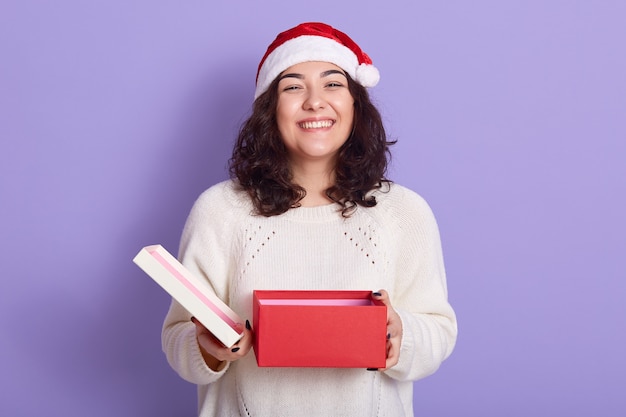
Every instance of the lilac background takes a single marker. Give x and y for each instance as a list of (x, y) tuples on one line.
[(511, 120)]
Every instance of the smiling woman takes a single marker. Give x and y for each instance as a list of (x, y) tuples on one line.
[(308, 207)]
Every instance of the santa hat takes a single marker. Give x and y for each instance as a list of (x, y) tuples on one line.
[(314, 42)]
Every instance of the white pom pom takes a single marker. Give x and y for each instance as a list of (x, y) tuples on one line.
[(367, 75)]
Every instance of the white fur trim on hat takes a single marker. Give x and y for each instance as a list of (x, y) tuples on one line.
[(309, 48)]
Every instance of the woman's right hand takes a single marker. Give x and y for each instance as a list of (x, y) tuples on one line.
[(214, 352)]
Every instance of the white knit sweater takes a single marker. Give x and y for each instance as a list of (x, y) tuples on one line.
[(394, 246)]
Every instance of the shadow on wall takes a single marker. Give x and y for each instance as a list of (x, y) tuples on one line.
[(114, 363)]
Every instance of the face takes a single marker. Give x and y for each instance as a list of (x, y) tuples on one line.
[(315, 111)]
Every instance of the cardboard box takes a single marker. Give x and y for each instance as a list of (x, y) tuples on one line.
[(339, 329), (191, 292)]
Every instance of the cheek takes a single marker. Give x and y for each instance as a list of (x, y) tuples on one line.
[(281, 118), (284, 114), (351, 112), (348, 115), (346, 107)]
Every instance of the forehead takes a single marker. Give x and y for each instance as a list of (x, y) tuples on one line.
[(313, 68)]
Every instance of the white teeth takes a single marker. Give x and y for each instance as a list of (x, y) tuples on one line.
[(316, 124)]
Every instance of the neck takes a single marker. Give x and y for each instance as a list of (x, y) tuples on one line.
[(315, 180)]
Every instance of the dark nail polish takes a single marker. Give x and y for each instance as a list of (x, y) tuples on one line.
[(235, 349), (377, 294), (372, 369), (388, 336), (248, 325)]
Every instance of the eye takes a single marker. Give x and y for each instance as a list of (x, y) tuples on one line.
[(334, 84), (291, 87)]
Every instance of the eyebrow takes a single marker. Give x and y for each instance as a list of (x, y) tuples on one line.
[(322, 75)]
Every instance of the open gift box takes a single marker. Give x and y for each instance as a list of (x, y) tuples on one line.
[(339, 329)]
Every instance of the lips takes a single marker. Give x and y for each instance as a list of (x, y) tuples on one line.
[(316, 124)]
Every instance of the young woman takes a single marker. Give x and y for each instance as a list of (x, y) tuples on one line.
[(309, 208)]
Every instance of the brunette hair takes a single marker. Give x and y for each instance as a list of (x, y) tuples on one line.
[(260, 161)]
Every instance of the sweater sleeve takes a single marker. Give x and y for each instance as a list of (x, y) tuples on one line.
[(204, 251), (420, 293)]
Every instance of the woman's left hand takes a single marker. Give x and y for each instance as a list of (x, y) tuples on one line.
[(394, 330)]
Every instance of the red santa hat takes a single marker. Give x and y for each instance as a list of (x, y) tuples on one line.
[(315, 41)]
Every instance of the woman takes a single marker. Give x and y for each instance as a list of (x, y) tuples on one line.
[(308, 207)]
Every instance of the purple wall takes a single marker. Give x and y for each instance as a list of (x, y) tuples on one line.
[(511, 120)]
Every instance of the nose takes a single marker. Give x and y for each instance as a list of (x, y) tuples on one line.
[(313, 101)]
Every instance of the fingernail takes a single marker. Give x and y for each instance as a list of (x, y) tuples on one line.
[(235, 349), (248, 325), (193, 319), (372, 369), (377, 294), (388, 336)]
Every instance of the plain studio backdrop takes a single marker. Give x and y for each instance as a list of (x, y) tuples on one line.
[(510, 118)]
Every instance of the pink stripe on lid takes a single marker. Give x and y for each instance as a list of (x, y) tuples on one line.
[(196, 291)]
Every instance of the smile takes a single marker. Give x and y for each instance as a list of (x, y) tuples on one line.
[(317, 124)]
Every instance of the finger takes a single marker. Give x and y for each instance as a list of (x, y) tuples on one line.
[(238, 327), (242, 347), (217, 349), (381, 295), (393, 354)]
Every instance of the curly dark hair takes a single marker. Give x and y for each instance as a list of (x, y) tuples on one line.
[(260, 160)]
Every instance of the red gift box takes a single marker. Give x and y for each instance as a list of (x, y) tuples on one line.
[(338, 329)]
